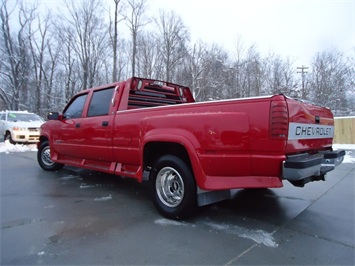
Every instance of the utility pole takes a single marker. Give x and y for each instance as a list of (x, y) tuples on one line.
[(303, 71)]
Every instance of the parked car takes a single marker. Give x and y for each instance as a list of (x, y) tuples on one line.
[(20, 126)]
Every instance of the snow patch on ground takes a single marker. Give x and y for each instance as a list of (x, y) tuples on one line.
[(344, 147), (109, 197), (41, 253), (68, 177), (167, 222), (7, 147), (350, 151), (349, 157), (86, 186), (259, 236)]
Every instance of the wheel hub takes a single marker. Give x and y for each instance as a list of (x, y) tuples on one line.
[(170, 187), (46, 157)]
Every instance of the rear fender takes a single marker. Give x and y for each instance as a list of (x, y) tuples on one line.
[(181, 137)]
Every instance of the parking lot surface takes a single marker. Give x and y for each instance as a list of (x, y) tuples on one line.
[(77, 216)]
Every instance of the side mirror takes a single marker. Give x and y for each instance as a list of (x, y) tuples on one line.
[(54, 116)]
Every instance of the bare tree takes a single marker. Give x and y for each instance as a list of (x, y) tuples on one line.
[(238, 68), (114, 40), (38, 49), (253, 73), (351, 74), (330, 79), (194, 65), (69, 63), (115, 35), (173, 37), (52, 85), (89, 37), (147, 60), (212, 82), (15, 67), (280, 76), (135, 21)]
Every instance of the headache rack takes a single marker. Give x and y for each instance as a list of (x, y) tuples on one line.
[(152, 93)]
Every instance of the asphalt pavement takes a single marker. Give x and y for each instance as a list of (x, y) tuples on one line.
[(76, 216)]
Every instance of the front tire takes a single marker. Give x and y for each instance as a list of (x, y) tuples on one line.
[(9, 138), (44, 158), (173, 187)]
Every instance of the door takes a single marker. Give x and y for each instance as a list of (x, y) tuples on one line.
[(66, 135), (95, 128)]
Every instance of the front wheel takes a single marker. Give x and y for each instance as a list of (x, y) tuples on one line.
[(44, 158), (173, 187), (9, 138)]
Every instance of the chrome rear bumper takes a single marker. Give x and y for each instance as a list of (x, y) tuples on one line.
[(303, 168)]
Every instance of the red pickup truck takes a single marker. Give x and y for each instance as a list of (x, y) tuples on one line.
[(192, 153)]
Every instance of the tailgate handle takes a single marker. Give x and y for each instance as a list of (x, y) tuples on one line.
[(105, 123), (317, 119)]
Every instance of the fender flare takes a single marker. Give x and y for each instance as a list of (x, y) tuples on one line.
[(181, 137)]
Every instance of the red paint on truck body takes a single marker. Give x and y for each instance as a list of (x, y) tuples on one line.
[(238, 143)]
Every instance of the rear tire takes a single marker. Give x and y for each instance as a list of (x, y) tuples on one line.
[(44, 158), (173, 187)]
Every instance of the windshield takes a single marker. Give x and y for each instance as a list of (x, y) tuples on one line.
[(17, 117)]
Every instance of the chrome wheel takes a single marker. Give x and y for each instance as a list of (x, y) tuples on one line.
[(46, 156), (169, 187), (173, 187)]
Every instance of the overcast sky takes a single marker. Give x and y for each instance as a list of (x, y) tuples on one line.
[(295, 28)]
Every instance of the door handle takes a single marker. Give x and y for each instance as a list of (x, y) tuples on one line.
[(105, 123), (77, 125)]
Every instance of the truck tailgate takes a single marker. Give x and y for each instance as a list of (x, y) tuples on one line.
[(309, 143), (311, 127)]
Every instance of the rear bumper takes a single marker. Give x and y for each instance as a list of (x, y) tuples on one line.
[(310, 167)]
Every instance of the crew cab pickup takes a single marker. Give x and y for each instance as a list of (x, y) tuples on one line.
[(192, 153)]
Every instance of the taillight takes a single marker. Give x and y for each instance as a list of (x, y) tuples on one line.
[(278, 120)]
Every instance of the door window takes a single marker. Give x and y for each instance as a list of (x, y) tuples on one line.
[(100, 102), (75, 109)]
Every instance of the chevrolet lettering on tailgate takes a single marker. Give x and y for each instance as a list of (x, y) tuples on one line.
[(309, 131)]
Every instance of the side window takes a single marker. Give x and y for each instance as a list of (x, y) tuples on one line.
[(100, 102), (75, 109), (2, 117)]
